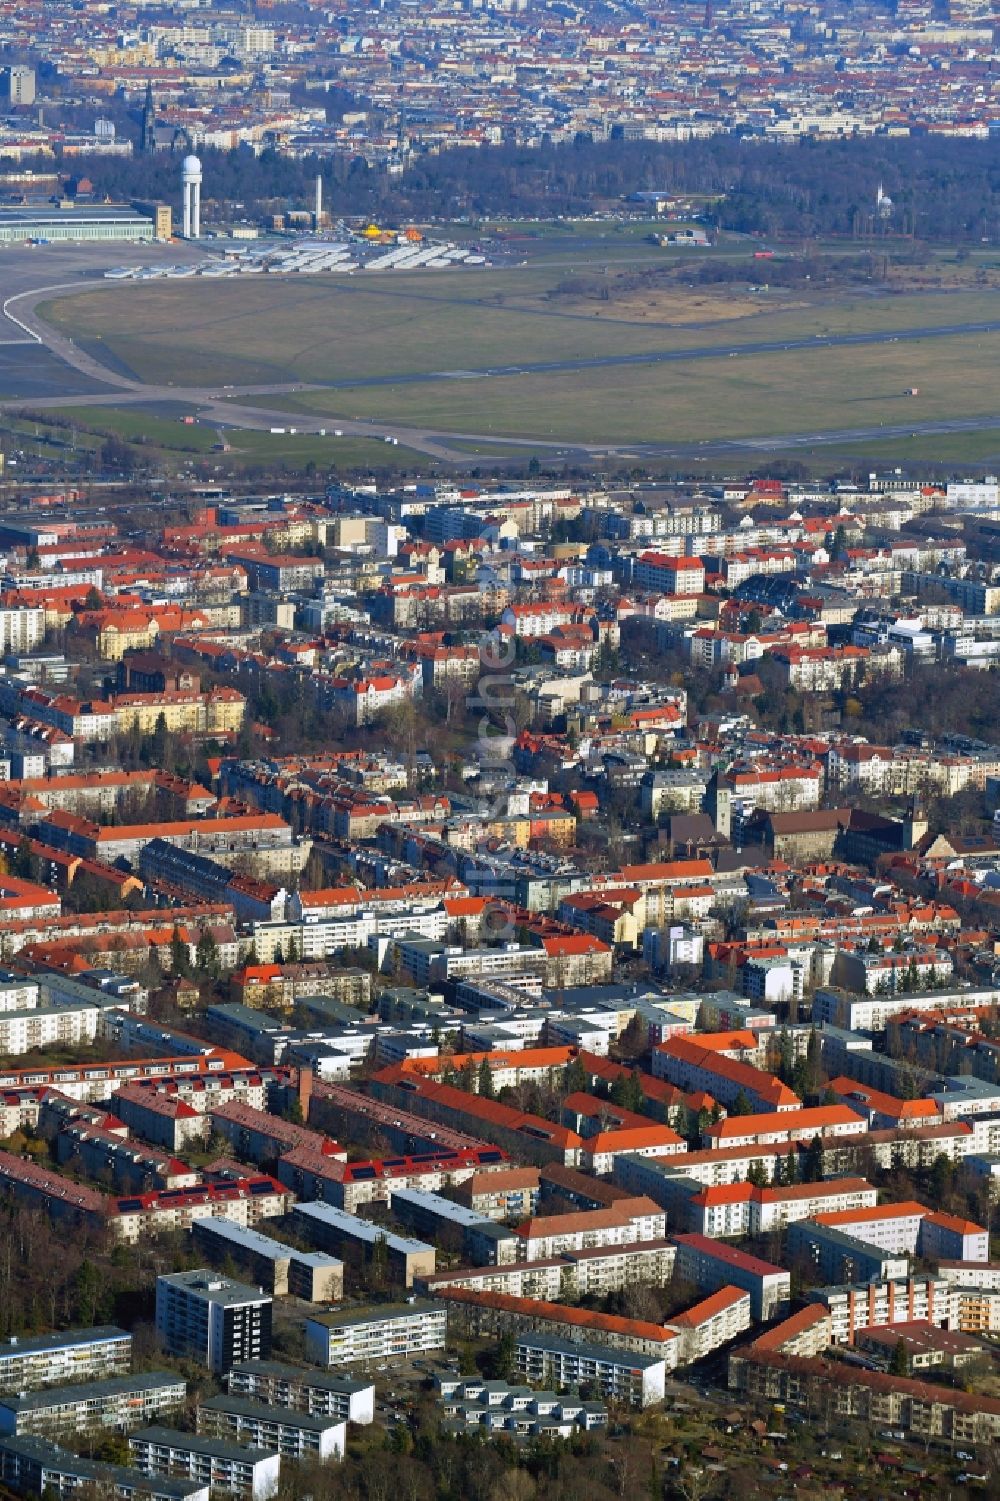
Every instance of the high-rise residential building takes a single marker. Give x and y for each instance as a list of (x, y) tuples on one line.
[(212, 1319)]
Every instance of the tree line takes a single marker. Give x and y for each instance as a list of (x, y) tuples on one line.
[(944, 190)]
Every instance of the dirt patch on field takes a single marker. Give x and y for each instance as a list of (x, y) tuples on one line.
[(701, 307)]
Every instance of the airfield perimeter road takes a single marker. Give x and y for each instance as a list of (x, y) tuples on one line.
[(50, 371)]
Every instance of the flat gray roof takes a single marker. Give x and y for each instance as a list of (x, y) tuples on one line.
[(306, 1375), (378, 1313), (261, 1412), (442, 1208), (355, 1228), (39, 1344), (200, 1443), (602, 1353), (213, 1288), (46, 214), (114, 1386), (40, 1451)]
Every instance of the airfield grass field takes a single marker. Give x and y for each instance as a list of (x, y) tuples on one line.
[(168, 443), (339, 332), (801, 391)]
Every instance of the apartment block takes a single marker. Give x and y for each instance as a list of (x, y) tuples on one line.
[(713, 1322), (924, 1409), (210, 1319), (259, 1137), (949, 1238), (295, 1435), (223, 1466), (36, 1467), (711, 1265), (304, 1390), (629, 1220), (281, 1269), (242, 1201), (494, 1313), (595, 1269), (72, 1355), (840, 1258), (894, 1228), (165, 1120), (480, 1239), (120, 1402), (620, 1376), (356, 1240), (869, 1305), (688, 1064), (510, 1194), (384, 1332)]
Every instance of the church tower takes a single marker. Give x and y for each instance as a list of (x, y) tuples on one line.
[(148, 142)]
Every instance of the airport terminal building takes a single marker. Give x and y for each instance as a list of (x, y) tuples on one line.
[(41, 224)]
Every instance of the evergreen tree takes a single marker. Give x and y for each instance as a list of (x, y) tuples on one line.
[(485, 1080), (635, 1099), (23, 863), (899, 1361), (207, 961), (180, 963), (505, 1356), (741, 1105), (378, 1267), (574, 1077), (619, 1090), (812, 1162)]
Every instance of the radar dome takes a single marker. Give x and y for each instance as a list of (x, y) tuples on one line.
[(191, 169)]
